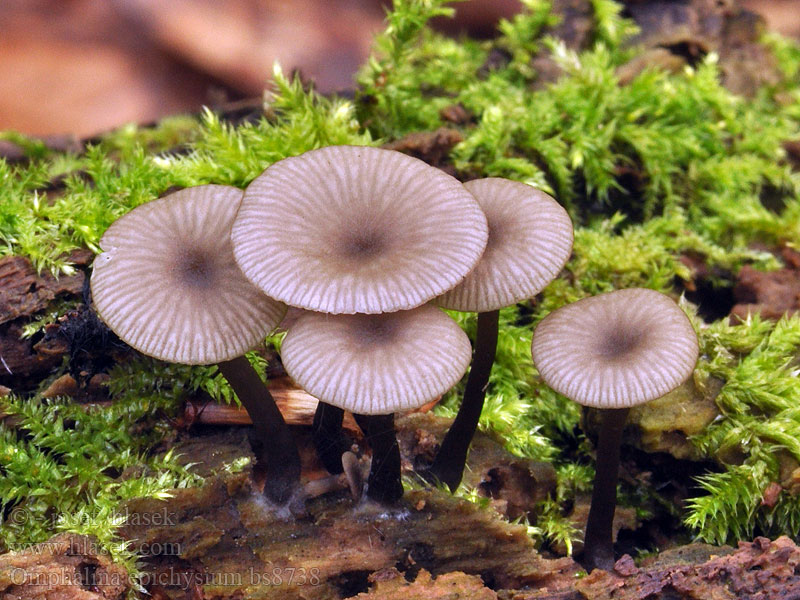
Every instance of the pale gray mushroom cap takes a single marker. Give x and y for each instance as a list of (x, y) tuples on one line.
[(376, 364), (530, 240), (354, 229), (168, 285), (617, 349)]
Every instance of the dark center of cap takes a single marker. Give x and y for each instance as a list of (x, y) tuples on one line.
[(375, 330), (363, 244), (196, 269), (620, 342)]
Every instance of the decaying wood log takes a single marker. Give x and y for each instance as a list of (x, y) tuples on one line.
[(226, 538), (66, 567), (23, 294), (223, 541), (389, 584), (296, 405)]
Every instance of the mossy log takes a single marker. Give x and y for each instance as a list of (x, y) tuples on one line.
[(224, 538), (223, 541)]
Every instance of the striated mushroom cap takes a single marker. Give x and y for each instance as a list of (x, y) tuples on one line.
[(530, 240), (376, 364), (354, 229), (167, 283), (616, 349)]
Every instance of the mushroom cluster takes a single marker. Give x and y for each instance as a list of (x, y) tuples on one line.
[(362, 238), (367, 244), (364, 242)]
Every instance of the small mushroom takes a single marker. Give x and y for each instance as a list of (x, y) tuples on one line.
[(375, 365), (355, 230), (611, 352), (530, 240), (352, 472), (168, 285)]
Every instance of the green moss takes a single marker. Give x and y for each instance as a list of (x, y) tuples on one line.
[(665, 165), (759, 400), (68, 467)]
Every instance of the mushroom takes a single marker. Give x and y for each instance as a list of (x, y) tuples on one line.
[(355, 229), (168, 285), (375, 365), (530, 240), (611, 352)]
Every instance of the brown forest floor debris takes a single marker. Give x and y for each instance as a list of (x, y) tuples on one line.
[(758, 570), (693, 29), (772, 293), (24, 293), (390, 584), (431, 146), (66, 567), (222, 542)]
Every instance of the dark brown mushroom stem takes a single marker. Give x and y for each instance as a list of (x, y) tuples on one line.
[(384, 484), (279, 450), (326, 433), (448, 466), (598, 545)]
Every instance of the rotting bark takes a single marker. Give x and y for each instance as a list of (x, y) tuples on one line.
[(758, 570), (225, 537), (23, 294), (772, 294), (225, 533), (66, 567), (389, 584), (297, 406), (431, 146), (222, 541), (674, 35)]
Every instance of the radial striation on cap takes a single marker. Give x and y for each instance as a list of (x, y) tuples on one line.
[(167, 282), (530, 241), (616, 349), (376, 364), (353, 229)]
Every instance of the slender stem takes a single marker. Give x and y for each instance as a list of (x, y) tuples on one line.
[(448, 466), (278, 449), (384, 483), (326, 432), (598, 546)]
